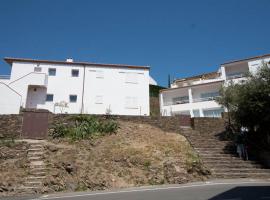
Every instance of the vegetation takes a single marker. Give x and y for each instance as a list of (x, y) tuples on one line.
[(85, 127), (154, 90), (249, 105)]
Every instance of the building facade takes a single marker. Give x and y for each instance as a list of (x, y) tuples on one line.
[(195, 96), (75, 87)]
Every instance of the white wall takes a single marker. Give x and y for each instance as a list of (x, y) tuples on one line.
[(10, 101), (256, 64), (108, 89), (112, 87)]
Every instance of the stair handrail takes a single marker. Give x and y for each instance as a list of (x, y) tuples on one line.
[(25, 76), (13, 91)]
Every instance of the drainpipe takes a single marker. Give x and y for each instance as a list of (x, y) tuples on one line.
[(82, 106)]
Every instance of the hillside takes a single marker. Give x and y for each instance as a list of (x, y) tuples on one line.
[(137, 154)]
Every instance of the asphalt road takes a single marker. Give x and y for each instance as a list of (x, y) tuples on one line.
[(217, 190)]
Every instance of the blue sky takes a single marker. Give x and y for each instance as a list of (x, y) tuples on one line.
[(180, 38)]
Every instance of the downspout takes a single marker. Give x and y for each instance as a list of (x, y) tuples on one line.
[(82, 107)]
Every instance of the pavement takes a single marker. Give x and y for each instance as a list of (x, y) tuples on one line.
[(234, 189)]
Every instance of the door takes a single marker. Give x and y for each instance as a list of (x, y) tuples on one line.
[(35, 124)]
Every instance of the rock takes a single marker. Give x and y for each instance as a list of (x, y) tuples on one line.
[(52, 148), (69, 168), (174, 173)]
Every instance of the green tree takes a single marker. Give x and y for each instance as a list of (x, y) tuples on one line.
[(248, 103)]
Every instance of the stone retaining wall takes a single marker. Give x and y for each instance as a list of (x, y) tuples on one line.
[(10, 126), (206, 125), (166, 123)]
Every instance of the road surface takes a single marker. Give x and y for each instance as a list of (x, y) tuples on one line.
[(214, 190)]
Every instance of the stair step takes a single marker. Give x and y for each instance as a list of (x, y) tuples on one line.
[(241, 175), (35, 177), (33, 183), (245, 170), (35, 173), (35, 153), (35, 150), (233, 165)]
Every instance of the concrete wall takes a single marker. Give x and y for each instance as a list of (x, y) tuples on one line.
[(10, 100)]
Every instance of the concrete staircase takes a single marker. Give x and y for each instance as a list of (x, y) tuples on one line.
[(221, 158), (37, 167)]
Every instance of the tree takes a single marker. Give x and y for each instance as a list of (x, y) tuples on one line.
[(248, 103)]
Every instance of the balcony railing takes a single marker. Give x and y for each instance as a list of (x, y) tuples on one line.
[(235, 76), (205, 99), (5, 77), (176, 102)]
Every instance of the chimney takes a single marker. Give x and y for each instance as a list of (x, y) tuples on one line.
[(69, 60)]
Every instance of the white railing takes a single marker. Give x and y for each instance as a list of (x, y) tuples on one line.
[(176, 102), (205, 99), (32, 78), (5, 77), (235, 76)]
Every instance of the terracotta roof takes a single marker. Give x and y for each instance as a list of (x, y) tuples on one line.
[(246, 59), (11, 60), (205, 75)]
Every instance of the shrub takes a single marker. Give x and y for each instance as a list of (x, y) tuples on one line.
[(85, 127)]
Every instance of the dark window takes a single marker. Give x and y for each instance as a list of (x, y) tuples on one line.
[(72, 98), (52, 71), (37, 69), (49, 97), (75, 73)]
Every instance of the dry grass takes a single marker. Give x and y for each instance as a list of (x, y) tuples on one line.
[(139, 154), (13, 166)]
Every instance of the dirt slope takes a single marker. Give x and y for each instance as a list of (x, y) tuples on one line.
[(138, 154)]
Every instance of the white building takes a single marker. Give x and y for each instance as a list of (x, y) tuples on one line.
[(75, 87), (195, 95)]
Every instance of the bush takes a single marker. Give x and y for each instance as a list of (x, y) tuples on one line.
[(85, 127)]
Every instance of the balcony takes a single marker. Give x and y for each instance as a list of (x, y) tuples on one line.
[(205, 99), (235, 76)]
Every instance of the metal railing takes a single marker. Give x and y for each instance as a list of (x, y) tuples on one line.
[(230, 77), (176, 102), (205, 99), (5, 77)]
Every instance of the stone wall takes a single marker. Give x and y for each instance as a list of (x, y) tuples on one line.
[(10, 126), (206, 125), (166, 123)]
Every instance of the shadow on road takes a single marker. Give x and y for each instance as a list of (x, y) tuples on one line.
[(245, 193)]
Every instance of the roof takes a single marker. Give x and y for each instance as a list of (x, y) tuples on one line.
[(205, 75), (246, 59), (11, 60), (189, 86)]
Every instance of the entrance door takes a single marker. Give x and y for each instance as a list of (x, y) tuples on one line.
[(35, 96), (35, 124)]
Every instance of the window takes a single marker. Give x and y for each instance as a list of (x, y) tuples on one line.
[(37, 69), (72, 98), (49, 97), (131, 102), (209, 95), (213, 113), (52, 71), (131, 78), (99, 99), (75, 73), (99, 74), (180, 100)]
